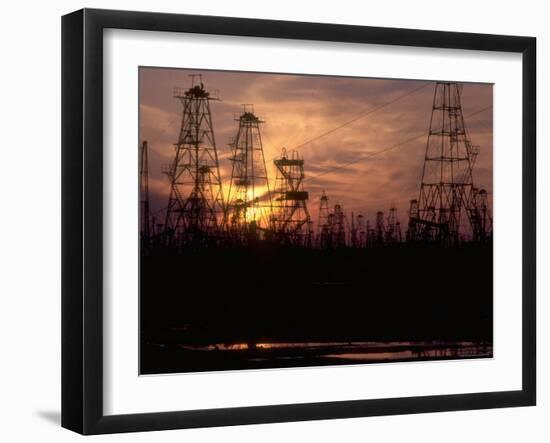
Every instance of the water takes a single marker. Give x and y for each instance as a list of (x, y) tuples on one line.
[(354, 352)]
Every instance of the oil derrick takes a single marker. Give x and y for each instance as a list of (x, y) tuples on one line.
[(331, 229), (370, 234), (324, 223), (443, 207), (195, 206), (412, 234), (249, 199), (354, 241), (393, 227), (145, 216), (362, 231), (339, 227), (482, 221), (379, 229), (292, 221)]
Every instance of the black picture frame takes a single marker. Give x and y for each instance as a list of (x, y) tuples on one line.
[(82, 218)]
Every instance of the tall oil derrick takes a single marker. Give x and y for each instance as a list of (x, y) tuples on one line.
[(393, 227), (442, 210), (249, 199), (324, 223), (291, 218), (481, 216), (379, 229), (339, 227), (145, 222), (195, 206)]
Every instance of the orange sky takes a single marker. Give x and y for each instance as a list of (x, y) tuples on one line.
[(298, 108)]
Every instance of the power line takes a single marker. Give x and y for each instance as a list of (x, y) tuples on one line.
[(372, 154), (362, 115), (478, 111)]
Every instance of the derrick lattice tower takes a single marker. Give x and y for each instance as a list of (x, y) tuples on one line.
[(339, 227), (380, 230), (362, 239), (393, 227), (291, 216), (195, 205), (249, 198), (370, 234), (353, 232), (442, 211), (481, 216), (324, 223)]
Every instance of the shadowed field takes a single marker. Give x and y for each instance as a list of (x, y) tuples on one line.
[(266, 294)]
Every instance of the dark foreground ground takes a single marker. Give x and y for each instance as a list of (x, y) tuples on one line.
[(211, 310)]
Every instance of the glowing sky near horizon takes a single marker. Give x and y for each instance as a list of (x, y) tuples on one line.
[(297, 108)]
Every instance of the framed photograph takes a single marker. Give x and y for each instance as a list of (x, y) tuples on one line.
[(269, 221)]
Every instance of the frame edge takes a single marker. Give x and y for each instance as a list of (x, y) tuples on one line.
[(81, 262), (529, 220), (72, 83)]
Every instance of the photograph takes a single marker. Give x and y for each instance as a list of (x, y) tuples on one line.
[(293, 220)]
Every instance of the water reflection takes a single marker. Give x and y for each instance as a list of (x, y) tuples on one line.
[(367, 351)]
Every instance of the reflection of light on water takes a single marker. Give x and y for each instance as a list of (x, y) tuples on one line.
[(374, 355), (307, 345), (358, 351), (470, 350), (217, 347)]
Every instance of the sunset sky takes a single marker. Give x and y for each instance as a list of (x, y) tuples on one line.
[(298, 108)]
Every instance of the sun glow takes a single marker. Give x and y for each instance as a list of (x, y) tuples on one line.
[(255, 207)]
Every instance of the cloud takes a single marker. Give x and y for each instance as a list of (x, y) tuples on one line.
[(297, 109)]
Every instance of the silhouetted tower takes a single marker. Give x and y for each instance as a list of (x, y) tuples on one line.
[(371, 234), (379, 228), (398, 231), (442, 210), (195, 205), (413, 217), (331, 229), (145, 216), (353, 234), (481, 216), (249, 198), (339, 227), (323, 225), (291, 216), (476, 201), (393, 227), (362, 230)]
